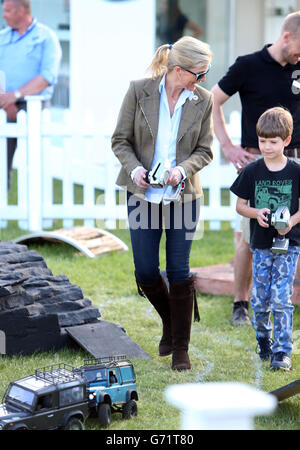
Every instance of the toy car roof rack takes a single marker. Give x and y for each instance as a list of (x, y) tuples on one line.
[(57, 373), (104, 360)]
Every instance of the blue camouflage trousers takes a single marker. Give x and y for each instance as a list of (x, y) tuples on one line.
[(273, 277)]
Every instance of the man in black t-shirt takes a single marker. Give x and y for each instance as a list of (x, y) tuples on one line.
[(263, 79)]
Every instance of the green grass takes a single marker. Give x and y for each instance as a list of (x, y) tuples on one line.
[(219, 352)]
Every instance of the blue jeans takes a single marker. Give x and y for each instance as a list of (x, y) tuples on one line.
[(146, 222), (273, 277)]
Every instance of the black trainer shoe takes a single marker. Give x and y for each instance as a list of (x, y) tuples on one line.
[(264, 348), (280, 360), (240, 315)]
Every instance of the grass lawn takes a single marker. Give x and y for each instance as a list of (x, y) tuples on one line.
[(218, 351)]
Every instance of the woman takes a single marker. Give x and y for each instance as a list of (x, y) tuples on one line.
[(166, 118), (172, 22)]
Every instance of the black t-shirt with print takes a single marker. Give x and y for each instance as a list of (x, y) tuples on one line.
[(263, 83), (266, 189)]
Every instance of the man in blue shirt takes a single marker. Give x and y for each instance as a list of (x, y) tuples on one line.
[(30, 55)]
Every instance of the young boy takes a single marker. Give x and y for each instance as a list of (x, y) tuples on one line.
[(262, 187)]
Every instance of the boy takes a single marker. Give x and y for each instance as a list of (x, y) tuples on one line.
[(262, 187)]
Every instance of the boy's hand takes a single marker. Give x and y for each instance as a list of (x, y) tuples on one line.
[(285, 231), (262, 218)]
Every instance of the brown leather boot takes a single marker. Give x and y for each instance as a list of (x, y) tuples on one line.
[(158, 295), (182, 299)]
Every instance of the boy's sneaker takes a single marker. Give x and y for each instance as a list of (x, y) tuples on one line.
[(264, 347), (280, 360), (240, 315)]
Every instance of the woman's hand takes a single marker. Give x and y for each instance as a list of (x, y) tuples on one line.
[(139, 178), (175, 177)]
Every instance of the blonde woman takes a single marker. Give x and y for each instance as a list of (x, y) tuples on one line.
[(167, 117)]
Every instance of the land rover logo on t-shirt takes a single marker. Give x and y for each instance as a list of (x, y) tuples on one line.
[(271, 194)]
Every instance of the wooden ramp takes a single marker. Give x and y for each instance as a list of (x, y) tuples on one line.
[(106, 339), (219, 280), (89, 241)]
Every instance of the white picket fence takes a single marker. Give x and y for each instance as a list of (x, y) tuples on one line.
[(80, 154)]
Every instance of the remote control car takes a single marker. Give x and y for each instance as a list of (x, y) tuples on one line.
[(111, 386), (54, 397)]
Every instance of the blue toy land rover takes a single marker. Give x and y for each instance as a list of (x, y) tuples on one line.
[(111, 385)]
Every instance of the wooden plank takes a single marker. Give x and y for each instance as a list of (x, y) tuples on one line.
[(102, 241), (79, 233), (89, 241)]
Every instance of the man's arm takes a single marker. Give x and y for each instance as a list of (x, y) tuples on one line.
[(8, 99), (197, 30), (234, 153), (34, 86)]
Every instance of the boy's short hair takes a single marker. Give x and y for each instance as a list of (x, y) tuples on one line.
[(275, 122)]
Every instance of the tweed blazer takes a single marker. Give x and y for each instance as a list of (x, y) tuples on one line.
[(133, 141)]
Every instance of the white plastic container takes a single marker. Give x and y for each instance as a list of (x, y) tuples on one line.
[(219, 406)]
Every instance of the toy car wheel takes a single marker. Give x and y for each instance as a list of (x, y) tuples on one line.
[(129, 410), (74, 424), (104, 414)]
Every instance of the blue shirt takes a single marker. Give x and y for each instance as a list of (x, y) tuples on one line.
[(165, 147), (23, 57)]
